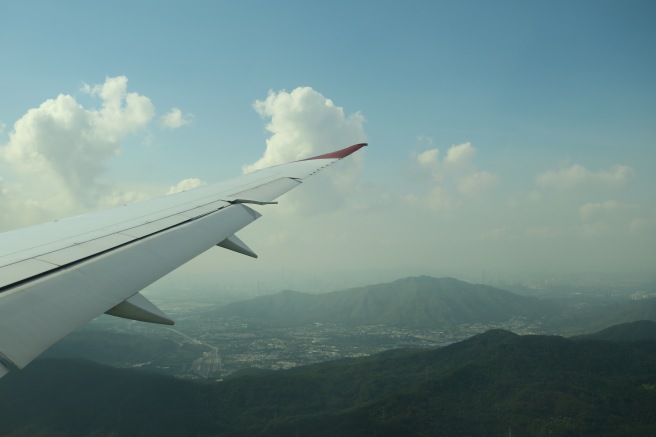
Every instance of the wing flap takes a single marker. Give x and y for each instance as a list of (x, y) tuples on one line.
[(23, 269), (84, 250), (71, 251), (50, 237), (154, 226)]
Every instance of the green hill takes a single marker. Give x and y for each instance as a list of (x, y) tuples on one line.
[(634, 331), (420, 302), (492, 384), (590, 320)]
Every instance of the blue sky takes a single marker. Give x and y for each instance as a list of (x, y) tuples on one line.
[(504, 136)]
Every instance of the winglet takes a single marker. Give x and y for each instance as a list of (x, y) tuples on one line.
[(339, 154)]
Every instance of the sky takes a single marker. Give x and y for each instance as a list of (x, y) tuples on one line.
[(505, 137)]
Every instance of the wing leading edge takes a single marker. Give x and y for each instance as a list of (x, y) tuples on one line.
[(57, 276)]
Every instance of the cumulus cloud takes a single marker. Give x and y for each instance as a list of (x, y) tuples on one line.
[(175, 119), (60, 149), (579, 176), (454, 174), (18, 209), (186, 184), (460, 154), (477, 182), (600, 218), (428, 158), (458, 162), (304, 123), (69, 145)]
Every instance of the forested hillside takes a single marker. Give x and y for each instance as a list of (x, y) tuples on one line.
[(491, 384)]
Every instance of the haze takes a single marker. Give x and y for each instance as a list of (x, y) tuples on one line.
[(505, 137)]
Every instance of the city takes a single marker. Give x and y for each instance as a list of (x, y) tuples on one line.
[(214, 349)]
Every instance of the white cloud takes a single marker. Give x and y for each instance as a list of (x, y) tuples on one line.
[(612, 216), (477, 182), (428, 158), (186, 184), (66, 143), (175, 119), (122, 112), (578, 176), (302, 124), (437, 199), (116, 198), (17, 209), (61, 149), (454, 174), (459, 154), (590, 211), (457, 163)]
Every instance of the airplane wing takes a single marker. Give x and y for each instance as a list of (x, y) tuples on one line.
[(57, 276)]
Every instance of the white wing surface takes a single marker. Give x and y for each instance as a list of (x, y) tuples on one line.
[(58, 276)]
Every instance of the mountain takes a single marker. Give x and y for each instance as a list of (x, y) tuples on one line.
[(634, 331), (420, 302), (495, 383), (590, 320)]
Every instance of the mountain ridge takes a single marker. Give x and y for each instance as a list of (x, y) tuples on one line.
[(633, 331), (419, 302)]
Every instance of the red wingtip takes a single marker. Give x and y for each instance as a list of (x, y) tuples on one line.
[(339, 154)]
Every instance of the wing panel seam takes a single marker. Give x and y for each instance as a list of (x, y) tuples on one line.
[(56, 268)]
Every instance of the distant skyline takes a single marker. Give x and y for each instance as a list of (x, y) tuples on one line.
[(505, 137)]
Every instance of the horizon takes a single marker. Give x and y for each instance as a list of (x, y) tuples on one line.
[(207, 289), (507, 142)]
